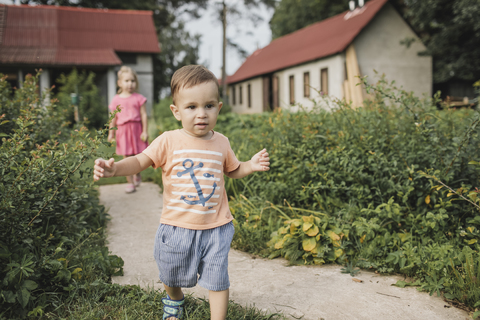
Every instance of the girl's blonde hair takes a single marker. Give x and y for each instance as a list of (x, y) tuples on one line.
[(123, 70)]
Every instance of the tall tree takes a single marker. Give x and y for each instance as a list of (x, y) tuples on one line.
[(291, 15), (227, 10), (179, 47), (451, 32)]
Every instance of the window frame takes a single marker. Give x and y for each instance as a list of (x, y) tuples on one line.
[(306, 84), (291, 86)]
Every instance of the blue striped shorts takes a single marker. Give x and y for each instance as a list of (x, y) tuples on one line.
[(184, 256)]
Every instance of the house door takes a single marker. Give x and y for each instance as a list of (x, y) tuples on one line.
[(267, 94)]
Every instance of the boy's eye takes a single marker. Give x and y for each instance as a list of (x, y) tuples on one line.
[(191, 107), (208, 106)]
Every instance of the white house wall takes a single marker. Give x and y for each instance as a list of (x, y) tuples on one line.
[(378, 48), (256, 96), (144, 70), (336, 75)]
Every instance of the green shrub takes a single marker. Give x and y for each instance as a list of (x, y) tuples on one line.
[(91, 106), (51, 222), (390, 186)]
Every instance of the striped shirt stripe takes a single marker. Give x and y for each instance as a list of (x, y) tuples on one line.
[(207, 204), (200, 169), (197, 160), (192, 194), (198, 151), (198, 178), (184, 185), (191, 210)]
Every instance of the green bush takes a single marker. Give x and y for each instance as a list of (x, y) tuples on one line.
[(384, 187), (92, 108), (51, 222), (391, 186)]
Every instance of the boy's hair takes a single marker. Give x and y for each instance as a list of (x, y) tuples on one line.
[(190, 76), (123, 70)]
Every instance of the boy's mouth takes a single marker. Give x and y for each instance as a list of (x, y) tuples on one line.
[(201, 125)]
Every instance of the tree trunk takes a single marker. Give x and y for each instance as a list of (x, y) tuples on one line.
[(224, 53)]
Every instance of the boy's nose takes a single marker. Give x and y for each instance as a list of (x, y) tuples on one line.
[(201, 113)]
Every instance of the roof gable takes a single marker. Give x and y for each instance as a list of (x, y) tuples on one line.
[(316, 41), (29, 30)]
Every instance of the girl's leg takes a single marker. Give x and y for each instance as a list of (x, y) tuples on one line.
[(131, 186), (129, 178), (218, 304), (137, 179)]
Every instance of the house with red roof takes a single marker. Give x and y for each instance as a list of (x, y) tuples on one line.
[(57, 39), (327, 57)]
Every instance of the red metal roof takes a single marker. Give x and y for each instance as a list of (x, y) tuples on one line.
[(74, 36), (316, 41)]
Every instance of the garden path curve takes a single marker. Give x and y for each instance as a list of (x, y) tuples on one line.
[(299, 292)]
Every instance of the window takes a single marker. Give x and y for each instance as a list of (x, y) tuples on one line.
[(306, 84), (240, 94), (324, 81), (292, 89), (249, 96), (233, 95), (275, 92)]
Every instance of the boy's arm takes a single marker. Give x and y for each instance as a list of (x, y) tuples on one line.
[(126, 167), (259, 162)]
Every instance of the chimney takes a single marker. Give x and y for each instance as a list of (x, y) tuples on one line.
[(361, 3), (351, 5)]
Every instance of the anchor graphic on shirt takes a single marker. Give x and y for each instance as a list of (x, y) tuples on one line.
[(190, 170)]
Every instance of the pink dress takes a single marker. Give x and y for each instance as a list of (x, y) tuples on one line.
[(129, 124)]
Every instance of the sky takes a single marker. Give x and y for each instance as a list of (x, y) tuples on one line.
[(242, 31)]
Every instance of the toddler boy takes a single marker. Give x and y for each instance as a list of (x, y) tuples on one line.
[(196, 230)]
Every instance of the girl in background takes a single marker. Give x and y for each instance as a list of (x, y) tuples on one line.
[(131, 121)]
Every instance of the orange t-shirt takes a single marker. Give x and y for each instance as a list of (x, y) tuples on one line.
[(193, 169)]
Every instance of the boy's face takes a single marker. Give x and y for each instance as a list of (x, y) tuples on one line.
[(197, 107)]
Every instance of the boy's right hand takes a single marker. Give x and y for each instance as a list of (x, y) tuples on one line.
[(103, 169)]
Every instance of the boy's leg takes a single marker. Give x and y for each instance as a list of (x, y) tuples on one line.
[(173, 292), (218, 304)]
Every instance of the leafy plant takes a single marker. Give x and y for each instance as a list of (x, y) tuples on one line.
[(50, 219), (350, 268), (92, 109), (392, 186)]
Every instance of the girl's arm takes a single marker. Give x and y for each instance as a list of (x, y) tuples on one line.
[(126, 167), (259, 162), (143, 115)]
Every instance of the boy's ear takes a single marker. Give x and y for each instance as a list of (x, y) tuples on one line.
[(220, 105), (175, 112)]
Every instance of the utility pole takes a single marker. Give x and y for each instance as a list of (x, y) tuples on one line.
[(224, 55)]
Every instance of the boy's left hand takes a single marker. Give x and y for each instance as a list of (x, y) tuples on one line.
[(260, 161)]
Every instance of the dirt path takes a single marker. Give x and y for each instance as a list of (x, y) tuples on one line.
[(306, 292)]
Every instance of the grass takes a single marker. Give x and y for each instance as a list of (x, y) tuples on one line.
[(111, 301)]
